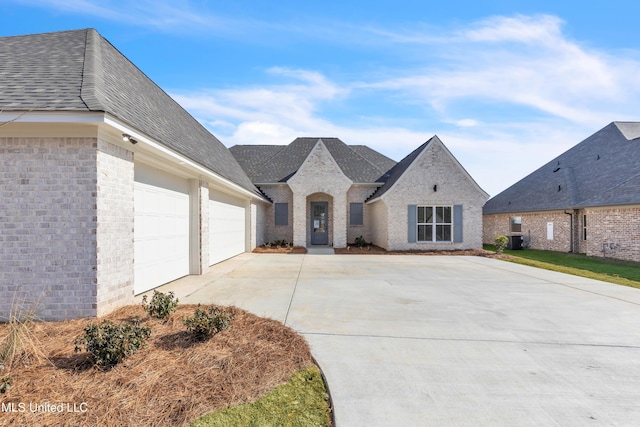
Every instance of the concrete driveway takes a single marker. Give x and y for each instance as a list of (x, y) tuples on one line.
[(447, 340)]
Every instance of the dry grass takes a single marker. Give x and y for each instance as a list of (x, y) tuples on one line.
[(172, 381)]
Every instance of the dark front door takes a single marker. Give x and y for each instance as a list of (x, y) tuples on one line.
[(319, 223)]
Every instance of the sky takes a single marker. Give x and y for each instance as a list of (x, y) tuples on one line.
[(506, 85)]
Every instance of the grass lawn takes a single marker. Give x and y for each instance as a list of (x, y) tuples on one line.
[(299, 403), (606, 269)]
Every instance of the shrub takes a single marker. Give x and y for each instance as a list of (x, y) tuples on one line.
[(109, 343), (204, 324), (161, 305), (501, 243), (5, 384), (361, 242)]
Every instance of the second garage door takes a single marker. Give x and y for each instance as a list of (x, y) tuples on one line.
[(227, 227)]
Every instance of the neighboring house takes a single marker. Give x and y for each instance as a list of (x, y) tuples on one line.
[(88, 219), (587, 200), (325, 192)]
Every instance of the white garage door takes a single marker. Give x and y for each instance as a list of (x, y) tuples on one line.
[(161, 232), (226, 227)]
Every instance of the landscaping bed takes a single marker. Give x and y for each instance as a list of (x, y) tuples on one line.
[(280, 250), (173, 380), (377, 250)]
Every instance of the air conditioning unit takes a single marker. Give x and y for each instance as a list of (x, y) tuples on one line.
[(515, 242)]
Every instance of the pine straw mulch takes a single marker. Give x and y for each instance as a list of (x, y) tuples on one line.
[(377, 250), (172, 381), (280, 250)]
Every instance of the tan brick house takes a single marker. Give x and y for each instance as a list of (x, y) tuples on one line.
[(587, 200), (326, 192)]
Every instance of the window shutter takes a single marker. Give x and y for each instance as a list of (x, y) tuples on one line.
[(457, 224), (282, 213), (412, 223)]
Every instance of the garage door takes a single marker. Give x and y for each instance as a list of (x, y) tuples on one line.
[(226, 227), (161, 230)]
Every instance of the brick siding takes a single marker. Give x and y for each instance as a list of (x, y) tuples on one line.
[(434, 167), (115, 227), (613, 232), (48, 225)]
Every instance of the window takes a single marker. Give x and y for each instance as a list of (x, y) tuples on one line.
[(516, 224), (584, 227), (355, 214), (434, 223), (282, 213)]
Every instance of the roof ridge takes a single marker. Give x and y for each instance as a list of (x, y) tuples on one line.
[(90, 68), (365, 159)]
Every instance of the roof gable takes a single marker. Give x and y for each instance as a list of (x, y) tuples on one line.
[(401, 169), (81, 71), (278, 165), (597, 171)]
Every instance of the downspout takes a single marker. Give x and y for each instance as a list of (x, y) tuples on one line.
[(570, 230)]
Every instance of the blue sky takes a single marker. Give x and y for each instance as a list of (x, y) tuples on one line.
[(507, 85)]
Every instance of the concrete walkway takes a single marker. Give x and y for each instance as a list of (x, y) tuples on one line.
[(447, 341)]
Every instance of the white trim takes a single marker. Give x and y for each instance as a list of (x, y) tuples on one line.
[(163, 151), (153, 146)]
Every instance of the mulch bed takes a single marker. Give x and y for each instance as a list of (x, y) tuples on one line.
[(377, 250), (173, 381), (280, 250)]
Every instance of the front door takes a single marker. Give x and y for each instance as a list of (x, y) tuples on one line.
[(319, 224)]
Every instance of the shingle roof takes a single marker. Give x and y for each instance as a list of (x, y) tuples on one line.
[(279, 164), (398, 170), (604, 169), (79, 71), (381, 161)]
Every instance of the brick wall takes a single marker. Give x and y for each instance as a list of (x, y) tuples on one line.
[(115, 226), (613, 232), (534, 228), (435, 166), (279, 194), (48, 225), (379, 221), (359, 194), (320, 174)]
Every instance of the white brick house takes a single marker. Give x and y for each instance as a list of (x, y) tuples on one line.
[(108, 188), (87, 218), (325, 192)]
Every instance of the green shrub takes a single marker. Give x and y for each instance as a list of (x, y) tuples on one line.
[(205, 324), (5, 384), (110, 343), (161, 305), (501, 243), (361, 242)]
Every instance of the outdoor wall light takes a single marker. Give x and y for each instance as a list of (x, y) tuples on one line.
[(435, 188), (127, 138)]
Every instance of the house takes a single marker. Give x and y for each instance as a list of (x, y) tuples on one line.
[(325, 192), (587, 200), (109, 188)]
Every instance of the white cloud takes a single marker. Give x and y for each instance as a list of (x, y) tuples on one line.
[(477, 80)]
